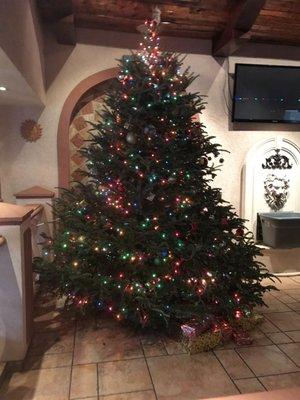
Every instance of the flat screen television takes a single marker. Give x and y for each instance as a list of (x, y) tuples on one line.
[(266, 93)]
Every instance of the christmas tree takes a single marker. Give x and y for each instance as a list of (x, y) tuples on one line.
[(146, 238)]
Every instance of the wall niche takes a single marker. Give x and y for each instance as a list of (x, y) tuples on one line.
[(267, 189)]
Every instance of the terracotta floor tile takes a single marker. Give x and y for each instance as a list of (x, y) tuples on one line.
[(48, 361), (285, 298), (84, 381), (295, 293), (174, 347), (54, 320), (88, 331), (233, 364), (153, 346), (188, 377), (293, 351), (88, 398), (145, 395), (279, 337), (44, 384), (282, 381), (268, 327), (259, 338), (249, 385), (286, 321), (122, 369), (123, 376), (295, 306), (106, 344), (226, 346), (295, 335), (266, 360), (51, 342), (273, 305), (287, 283)]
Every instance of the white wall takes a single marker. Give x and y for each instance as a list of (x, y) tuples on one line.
[(36, 163)]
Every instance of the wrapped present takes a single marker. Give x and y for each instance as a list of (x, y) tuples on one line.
[(226, 331), (248, 323), (242, 338), (195, 327), (224, 327), (204, 342)]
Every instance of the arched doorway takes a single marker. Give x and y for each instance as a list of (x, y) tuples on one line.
[(79, 106)]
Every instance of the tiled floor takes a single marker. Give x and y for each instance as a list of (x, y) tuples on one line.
[(69, 360)]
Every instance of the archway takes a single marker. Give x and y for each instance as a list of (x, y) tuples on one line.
[(67, 113)]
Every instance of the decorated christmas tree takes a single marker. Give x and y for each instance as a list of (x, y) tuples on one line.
[(147, 239)]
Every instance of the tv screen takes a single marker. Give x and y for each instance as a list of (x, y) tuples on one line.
[(265, 93)]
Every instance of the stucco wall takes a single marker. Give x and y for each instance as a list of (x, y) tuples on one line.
[(36, 163)]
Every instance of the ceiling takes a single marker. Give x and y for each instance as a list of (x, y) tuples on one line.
[(226, 22), (19, 92)]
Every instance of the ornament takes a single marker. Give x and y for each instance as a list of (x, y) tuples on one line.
[(242, 338), (239, 232), (203, 161), (130, 137), (31, 130), (224, 221), (172, 179), (165, 252), (150, 130), (196, 118), (156, 261), (126, 125), (194, 226), (150, 197)]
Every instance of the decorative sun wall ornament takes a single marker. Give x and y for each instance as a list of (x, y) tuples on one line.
[(276, 191), (277, 161), (31, 130)]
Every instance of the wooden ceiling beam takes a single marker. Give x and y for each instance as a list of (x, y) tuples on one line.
[(59, 13), (241, 18), (229, 23), (53, 10), (65, 30)]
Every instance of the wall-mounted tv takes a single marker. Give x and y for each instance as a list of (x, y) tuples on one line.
[(266, 93)]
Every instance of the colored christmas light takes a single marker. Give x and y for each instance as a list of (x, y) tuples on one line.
[(147, 239)]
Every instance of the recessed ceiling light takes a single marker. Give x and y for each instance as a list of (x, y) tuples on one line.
[(3, 88)]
